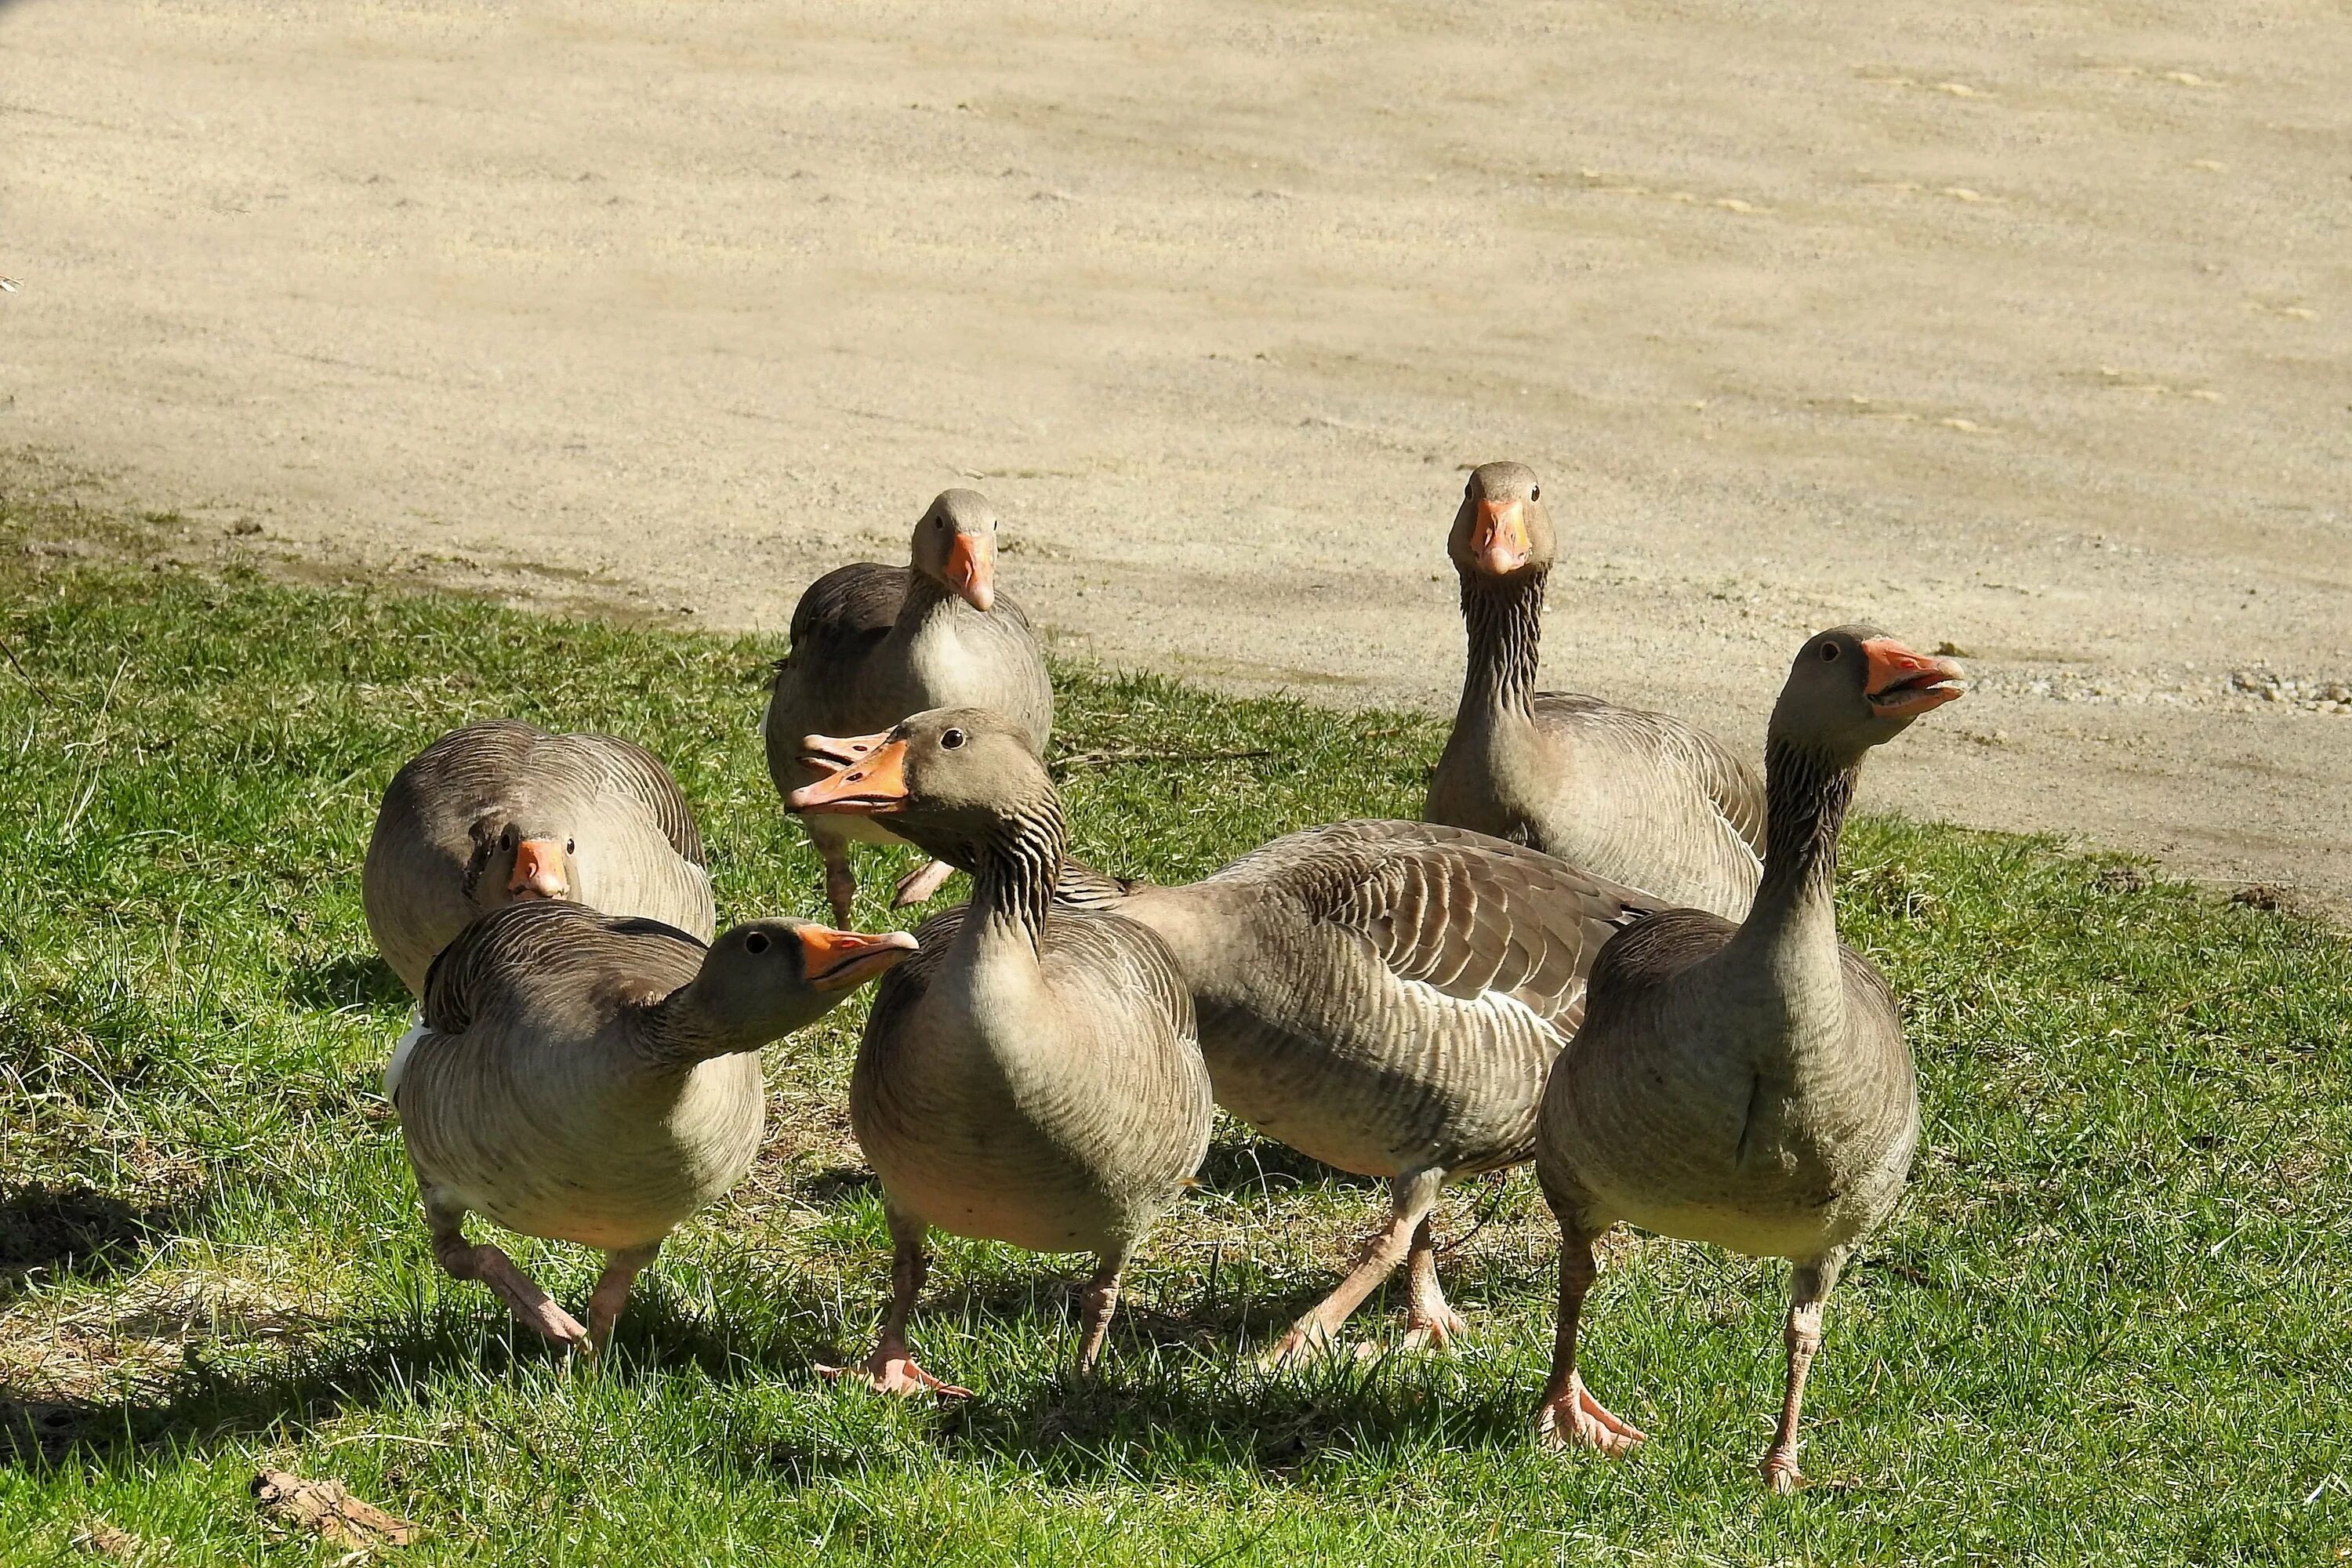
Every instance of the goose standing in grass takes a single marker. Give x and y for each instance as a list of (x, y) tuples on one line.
[(872, 644), (1747, 1085), (1385, 997), (592, 1079), (1034, 1076), (500, 811), (1638, 797)]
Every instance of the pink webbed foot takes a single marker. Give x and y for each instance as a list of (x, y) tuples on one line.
[(1781, 1473), (1576, 1419), (888, 1372), (1435, 1330), (921, 883), (531, 1307)]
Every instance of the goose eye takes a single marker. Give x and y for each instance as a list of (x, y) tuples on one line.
[(756, 942), (1829, 653), (952, 738), (567, 847), (1534, 492), (507, 839)]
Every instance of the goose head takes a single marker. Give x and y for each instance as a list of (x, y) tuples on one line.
[(944, 780), (955, 546), (1502, 533), (521, 856), (763, 980), (1853, 688)]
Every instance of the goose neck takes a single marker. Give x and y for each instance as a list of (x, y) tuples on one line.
[(1793, 925), (1014, 866), (1505, 621)]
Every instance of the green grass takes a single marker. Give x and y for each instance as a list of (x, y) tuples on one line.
[(2109, 1323)]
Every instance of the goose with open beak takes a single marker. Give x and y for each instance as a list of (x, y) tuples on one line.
[(1035, 1076), (1747, 1085), (594, 1080)]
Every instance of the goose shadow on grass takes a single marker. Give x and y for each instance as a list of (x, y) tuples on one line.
[(1157, 1395), (203, 1407), (346, 980), (69, 1227)]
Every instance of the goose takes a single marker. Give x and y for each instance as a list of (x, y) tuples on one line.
[(1384, 997), (872, 644), (595, 1079), (500, 811), (1638, 797), (1747, 1086), (1035, 1076)]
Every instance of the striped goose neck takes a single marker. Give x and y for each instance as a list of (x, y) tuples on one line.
[(1806, 795), (1505, 625), (1014, 868), (678, 1031)]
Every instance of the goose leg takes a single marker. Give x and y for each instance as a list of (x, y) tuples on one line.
[(612, 1292), (921, 883), (531, 1306), (1429, 1322), (1567, 1413), (1415, 1193), (1098, 1302), (1809, 1288), (892, 1368), (840, 880)]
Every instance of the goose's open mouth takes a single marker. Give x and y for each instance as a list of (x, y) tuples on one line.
[(837, 960), (1903, 683), (831, 751), (870, 779)]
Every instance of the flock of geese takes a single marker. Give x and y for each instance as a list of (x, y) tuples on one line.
[(1611, 948)]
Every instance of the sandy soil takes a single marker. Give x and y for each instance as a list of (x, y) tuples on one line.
[(2021, 327)]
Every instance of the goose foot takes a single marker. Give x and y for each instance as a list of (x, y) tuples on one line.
[(1781, 1473), (1306, 1345), (531, 1307), (1434, 1333), (893, 1370), (1430, 1324), (921, 883), (1576, 1419)]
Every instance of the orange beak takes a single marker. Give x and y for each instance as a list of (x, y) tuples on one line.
[(870, 785), (538, 870), (970, 569), (1904, 684), (827, 752), (1498, 541), (838, 960)]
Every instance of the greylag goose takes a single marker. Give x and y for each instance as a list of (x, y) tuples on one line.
[(1747, 1085), (1385, 997), (586, 1078), (1034, 1076), (872, 644), (1638, 797), (500, 811)]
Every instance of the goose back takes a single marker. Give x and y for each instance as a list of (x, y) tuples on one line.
[(431, 867), (1386, 997), (872, 644)]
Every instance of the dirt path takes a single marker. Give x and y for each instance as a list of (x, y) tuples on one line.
[(2027, 330)]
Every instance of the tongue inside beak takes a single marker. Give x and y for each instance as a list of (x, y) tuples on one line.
[(1499, 541), (870, 785), (970, 569), (837, 960), (1903, 683)]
